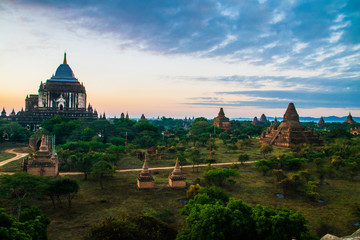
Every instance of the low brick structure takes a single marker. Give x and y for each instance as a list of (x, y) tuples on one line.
[(144, 178), (176, 179)]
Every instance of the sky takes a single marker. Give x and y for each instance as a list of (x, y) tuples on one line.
[(187, 58)]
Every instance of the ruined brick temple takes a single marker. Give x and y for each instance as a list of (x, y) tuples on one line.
[(43, 162), (290, 132)]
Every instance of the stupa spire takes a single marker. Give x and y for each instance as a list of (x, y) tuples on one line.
[(43, 145), (145, 168), (291, 114), (65, 62), (177, 167)]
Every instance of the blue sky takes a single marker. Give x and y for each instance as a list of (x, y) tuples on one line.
[(181, 58)]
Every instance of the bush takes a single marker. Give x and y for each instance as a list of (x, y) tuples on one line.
[(218, 176)]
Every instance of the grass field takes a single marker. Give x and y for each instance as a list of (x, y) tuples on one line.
[(120, 195), (5, 156)]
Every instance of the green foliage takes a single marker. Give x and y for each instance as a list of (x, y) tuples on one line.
[(15, 131), (266, 149), (218, 176), (208, 218), (243, 158), (131, 228), (22, 186), (117, 141), (87, 134), (264, 165), (101, 170), (62, 188), (193, 154), (32, 225), (192, 191)]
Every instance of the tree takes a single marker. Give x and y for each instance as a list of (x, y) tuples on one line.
[(265, 149), (243, 158), (217, 176), (192, 191), (22, 186), (264, 165), (101, 170), (62, 187), (87, 134), (32, 224), (210, 218), (193, 154)]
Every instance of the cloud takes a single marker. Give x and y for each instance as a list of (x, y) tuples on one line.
[(209, 28), (305, 92), (306, 36)]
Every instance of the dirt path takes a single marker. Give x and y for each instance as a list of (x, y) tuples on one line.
[(157, 168), (18, 156)]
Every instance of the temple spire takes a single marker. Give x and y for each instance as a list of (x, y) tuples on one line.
[(65, 62)]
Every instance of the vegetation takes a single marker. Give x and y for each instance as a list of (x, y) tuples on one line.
[(304, 174), (31, 224), (213, 217)]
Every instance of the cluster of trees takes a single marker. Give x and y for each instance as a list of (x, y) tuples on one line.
[(13, 131), (31, 224), (21, 187), (217, 176), (211, 214)]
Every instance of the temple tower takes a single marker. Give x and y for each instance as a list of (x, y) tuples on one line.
[(221, 121), (290, 132), (349, 119)]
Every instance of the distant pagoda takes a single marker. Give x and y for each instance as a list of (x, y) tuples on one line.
[(263, 118), (349, 119), (176, 179), (290, 132), (221, 121), (321, 122), (144, 178), (255, 122)]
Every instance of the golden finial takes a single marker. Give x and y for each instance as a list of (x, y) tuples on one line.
[(65, 62)]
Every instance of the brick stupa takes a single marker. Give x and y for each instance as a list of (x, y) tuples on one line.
[(221, 121), (290, 132), (176, 179), (349, 119), (144, 178), (43, 163)]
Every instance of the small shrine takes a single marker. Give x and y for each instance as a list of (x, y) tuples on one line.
[(44, 162), (176, 178), (144, 178), (221, 121), (290, 132)]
